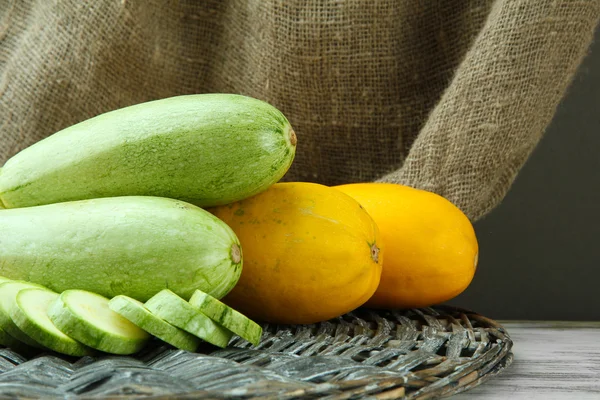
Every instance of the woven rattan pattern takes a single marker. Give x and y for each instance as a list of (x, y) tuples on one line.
[(412, 354)]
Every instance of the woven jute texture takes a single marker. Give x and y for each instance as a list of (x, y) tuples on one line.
[(412, 354), (448, 96)]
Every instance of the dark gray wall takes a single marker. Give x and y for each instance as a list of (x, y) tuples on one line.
[(540, 249)]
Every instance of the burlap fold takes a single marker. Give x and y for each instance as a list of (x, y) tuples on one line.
[(449, 96)]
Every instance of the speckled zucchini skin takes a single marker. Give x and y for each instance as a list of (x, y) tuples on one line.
[(205, 149), (132, 245)]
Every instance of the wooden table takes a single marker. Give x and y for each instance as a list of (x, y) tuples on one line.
[(553, 360)]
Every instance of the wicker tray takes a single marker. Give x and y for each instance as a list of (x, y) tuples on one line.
[(413, 354)]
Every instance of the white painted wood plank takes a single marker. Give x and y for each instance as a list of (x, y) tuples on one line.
[(553, 360)]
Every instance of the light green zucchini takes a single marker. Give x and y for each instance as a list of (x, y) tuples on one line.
[(226, 316), (31, 316), (137, 313), (132, 245), (178, 312), (86, 317), (8, 302), (7, 340), (206, 149)]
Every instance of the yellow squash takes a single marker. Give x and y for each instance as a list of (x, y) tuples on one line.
[(431, 248), (311, 253)]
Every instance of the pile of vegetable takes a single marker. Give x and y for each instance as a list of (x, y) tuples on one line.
[(78, 322), (167, 219)]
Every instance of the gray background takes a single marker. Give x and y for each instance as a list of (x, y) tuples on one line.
[(540, 249)]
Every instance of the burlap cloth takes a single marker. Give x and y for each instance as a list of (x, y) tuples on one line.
[(449, 96)]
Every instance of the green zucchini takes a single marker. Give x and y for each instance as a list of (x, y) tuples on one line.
[(131, 245), (31, 316), (178, 312), (231, 319), (205, 149), (8, 341), (137, 313), (8, 302), (86, 317)]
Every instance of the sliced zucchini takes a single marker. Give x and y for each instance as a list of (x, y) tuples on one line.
[(31, 317), (14, 344), (176, 311), (5, 338), (86, 317), (138, 314), (231, 319), (8, 302), (9, 341)]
